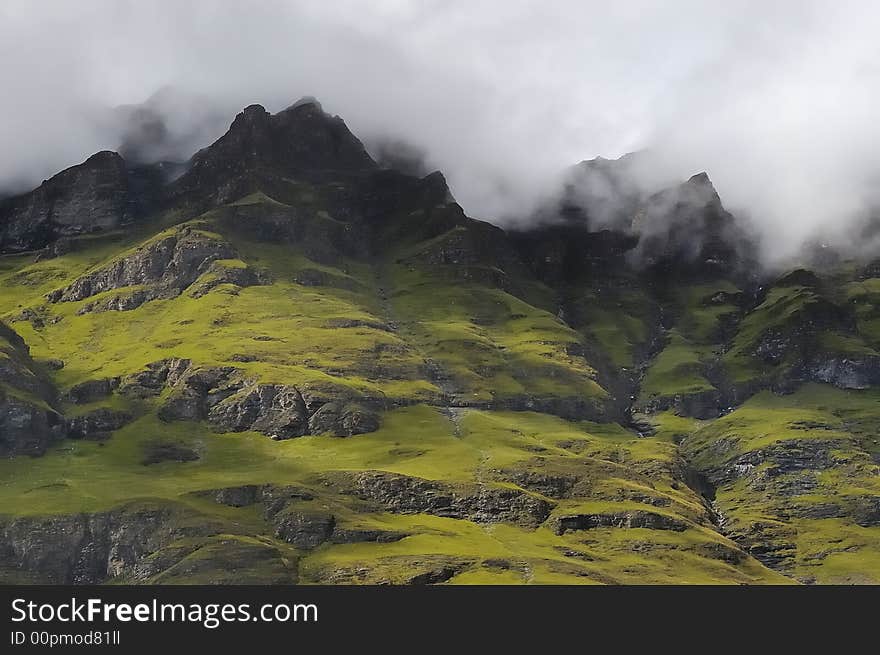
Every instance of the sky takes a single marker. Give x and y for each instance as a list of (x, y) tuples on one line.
[(776, 101)]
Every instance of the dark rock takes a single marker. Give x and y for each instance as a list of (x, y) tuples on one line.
[(61, 246), (796, 484), (796, 341), (93, 548), (196, 391), (29, 422), (89, 197), (622, 519), (156, 452), (799, 278), (278, 411), (343, 420), (435, 576), (274, 497), (27, 428), (547, 484), (223, 397), (783, 458), (311, 277), (569, 407), (89, 391), (481, 503), (152, 380), (304, 529), (701, 404), (121, 302), (770, 542), (866, 511), (243, 496), (97, 424), (167, 266), (723, 552), (816, 511), (846, 372), (356, 535), (301, 141)]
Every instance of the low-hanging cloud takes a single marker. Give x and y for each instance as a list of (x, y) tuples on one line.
[(775, 100)]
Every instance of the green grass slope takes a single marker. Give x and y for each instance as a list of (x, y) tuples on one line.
[(496, 458)]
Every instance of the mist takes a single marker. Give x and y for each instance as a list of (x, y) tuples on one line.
[(776, 101)]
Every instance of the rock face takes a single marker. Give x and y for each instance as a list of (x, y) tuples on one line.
[(687, 224), (158, 451), (28, 421), (343, 419), (782, 480), (96, 425), (480, 503), (622, 519), (767, 464), (92, 548), (89, 197), (282, 412), (232, 403), (301, 140), (845, 371), (89, 391), (305, 530), (166, 266), (293, 517), (607, 214)]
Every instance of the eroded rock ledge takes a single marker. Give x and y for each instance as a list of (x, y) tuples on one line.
[(160, 269), (227, 399), (481, 503), (294, 520)]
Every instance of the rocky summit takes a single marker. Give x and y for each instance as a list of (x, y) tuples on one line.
[(284, 363)]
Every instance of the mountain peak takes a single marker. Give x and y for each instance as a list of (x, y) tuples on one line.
[(301, 141), (88, 197), (700, 179), (306, 101), (252, 112)]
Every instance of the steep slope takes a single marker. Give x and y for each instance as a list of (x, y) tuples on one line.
[(29, 420), (298, 367)]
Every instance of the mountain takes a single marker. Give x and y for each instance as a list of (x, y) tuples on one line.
[(286, 363)]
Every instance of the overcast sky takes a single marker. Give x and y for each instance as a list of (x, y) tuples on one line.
[(777, 101)]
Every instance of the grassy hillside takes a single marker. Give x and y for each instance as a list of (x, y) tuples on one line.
[(346, 380)]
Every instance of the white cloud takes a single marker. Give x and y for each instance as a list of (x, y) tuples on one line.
[(776, 100)]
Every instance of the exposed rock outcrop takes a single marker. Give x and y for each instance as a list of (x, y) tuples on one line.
[(845, 371), (484, 503), (89, 197), (96, 425), (29, 422), (299, 141), (294, 520), (231, 402), (165, 267), (93, 548), (621, 519), (159, 451), (90, 391)]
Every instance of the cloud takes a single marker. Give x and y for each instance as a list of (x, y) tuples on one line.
[(775, 100)]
